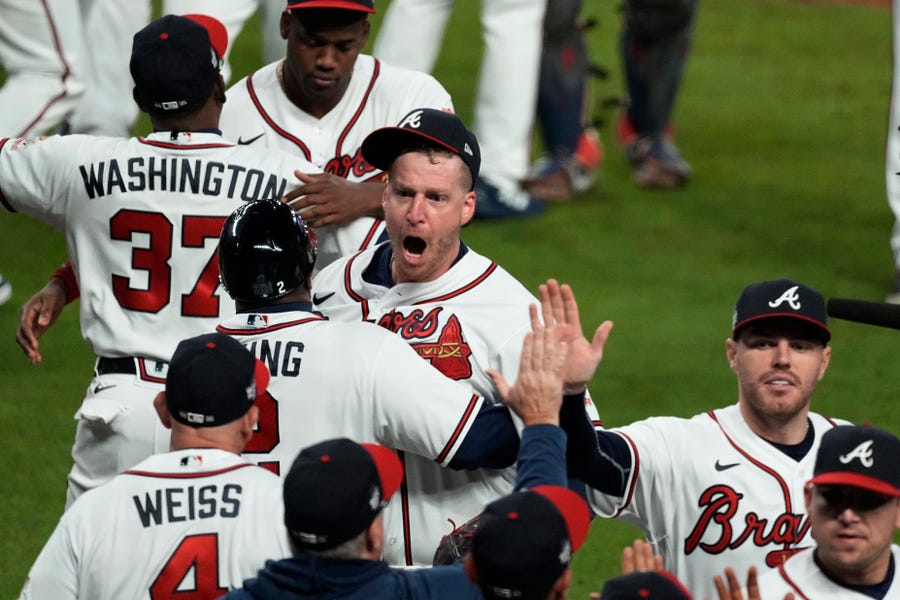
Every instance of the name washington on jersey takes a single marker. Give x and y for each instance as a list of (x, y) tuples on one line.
[(181, 175)]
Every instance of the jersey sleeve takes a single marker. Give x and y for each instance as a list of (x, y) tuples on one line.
[(431, 422), (54, 573), (35, 174)]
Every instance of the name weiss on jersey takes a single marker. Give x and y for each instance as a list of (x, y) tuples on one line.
[(179, 174), (173, 505), (721, 503)]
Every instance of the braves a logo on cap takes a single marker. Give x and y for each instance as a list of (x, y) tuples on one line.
[(468, 150), (790, 296), (863, 452), (413, 120)]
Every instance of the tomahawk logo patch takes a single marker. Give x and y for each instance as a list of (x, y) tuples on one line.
[(449, 354)]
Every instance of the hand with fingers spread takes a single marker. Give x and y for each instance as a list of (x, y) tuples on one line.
[(639, 556), (536, 395), (38, 315), (560, 309), (732, 591), (326, 199)]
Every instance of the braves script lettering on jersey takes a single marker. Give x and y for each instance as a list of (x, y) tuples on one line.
[(142, 218), (378, 95), (472, 318), (191, 521), (803, 577), (346, 380), (707, 490)]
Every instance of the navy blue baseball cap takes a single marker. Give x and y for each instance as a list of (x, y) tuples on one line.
[(781, 298), (213, 380), (859, 456), (437, 127), (335, 489), (524, 541), (175, 61), (645, 585)]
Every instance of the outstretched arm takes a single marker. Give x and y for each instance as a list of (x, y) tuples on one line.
[(40, 312)]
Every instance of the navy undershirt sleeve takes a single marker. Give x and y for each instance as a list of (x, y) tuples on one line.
[(492, 441), (601, 459)]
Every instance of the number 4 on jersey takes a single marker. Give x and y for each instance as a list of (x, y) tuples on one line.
[(192, 572)]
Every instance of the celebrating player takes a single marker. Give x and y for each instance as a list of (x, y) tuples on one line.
[(142, 217), (853, 501), (521, 548), (460, 311), (194, 521), (725, 487), (319, 102)]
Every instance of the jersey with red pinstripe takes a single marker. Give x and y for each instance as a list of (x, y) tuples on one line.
[(142, 217), (802, 577), (378, 95), (709, 492), (472, 318), (190, 523)]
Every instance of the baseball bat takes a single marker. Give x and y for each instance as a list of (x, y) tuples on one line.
[(882, 314)]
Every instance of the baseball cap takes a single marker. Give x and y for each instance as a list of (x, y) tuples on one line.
[(525, 541), (360, 5), (442, 128), (335, 489), (859, 456), (645, 585), (175, 61), (213, 380), (780, 298)]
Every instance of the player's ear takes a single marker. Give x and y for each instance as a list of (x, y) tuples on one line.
[(731, 352), (561, 587), (375, 539), (284, 24), (807, 496), (137, 99), (219, 90), (826, 359), (365, 34), (468, 207), (159, 403)]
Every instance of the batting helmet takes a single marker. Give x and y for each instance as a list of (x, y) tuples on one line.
[(265, 252)]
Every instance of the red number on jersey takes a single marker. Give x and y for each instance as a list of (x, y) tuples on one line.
[(202, 301), (154, 259), (266, 435), (197, 553)]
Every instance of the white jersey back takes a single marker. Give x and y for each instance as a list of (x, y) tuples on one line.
[(142, 217), (802, 577), (378, 95), (472, 318), (347, 380), (199, 520), (709, 492)]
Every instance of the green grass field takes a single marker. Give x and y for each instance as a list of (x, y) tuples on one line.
[(782, 114)]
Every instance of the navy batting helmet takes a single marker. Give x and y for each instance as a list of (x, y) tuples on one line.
[(265, 252)]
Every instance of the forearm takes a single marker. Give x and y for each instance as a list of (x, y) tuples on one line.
[(599, 458)]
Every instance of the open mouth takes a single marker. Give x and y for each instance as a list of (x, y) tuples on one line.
[(414, 245)]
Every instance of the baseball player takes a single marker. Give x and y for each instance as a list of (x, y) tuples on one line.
[(506, 93), (141, 218), (892, 156), (42, 51), (724, 487), (853, 501), (192, 522), (319, 102), (460, 311)]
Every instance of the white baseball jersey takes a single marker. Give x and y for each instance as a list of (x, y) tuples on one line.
[(142, 217), (803, 577), (196, 521), (709, 492), (472, 318), (350, 380), (378, 95)]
